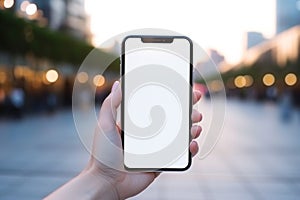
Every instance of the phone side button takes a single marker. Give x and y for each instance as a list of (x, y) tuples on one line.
[(120, 70)]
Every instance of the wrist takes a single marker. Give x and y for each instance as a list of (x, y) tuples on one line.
[(86, 185), (103, 187)]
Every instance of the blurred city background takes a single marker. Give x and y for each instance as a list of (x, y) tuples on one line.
[(43, 43)]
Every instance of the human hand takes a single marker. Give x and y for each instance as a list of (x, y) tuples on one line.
[(126, 184), (101, 179)]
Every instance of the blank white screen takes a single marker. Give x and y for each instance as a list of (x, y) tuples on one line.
[(140, 99)]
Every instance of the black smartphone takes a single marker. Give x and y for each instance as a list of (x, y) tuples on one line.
[(156, 80)]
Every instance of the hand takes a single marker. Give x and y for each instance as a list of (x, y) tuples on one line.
[(130, 184), (99, 181)]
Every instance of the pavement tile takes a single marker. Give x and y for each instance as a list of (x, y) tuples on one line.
[(258, 157)]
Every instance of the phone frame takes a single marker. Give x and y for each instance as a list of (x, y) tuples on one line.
[(156, 39)]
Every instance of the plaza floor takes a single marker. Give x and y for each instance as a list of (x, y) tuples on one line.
[(257, 157)]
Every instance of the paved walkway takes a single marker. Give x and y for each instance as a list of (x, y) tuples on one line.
[(258, 157)]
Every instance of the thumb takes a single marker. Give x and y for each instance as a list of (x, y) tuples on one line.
[(107, 117), (107, 147)]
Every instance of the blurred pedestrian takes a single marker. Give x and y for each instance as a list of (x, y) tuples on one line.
[(272, 93), (286, 106), (51, 101), (2, 100), (17, 100)]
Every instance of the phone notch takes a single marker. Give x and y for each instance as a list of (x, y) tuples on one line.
[(146, 39)]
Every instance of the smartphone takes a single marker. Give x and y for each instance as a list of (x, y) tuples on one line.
[(156, 81)]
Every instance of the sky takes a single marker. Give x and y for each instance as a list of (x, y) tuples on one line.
[(215, 24)]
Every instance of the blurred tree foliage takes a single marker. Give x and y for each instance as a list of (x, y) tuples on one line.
[(259, 69), (265, 64), (19, 37)]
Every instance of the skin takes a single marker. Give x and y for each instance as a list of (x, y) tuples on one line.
[(98, 181)]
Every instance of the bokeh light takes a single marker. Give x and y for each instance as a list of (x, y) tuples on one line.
[(52, 75), (216, 85), (2, 95), (24, 5), (240, 81), (31, 9), (99, 80), (249, 80), (3, 77), (290, 79), (82, 77), (18, 72), (8, 3), (268, 79)]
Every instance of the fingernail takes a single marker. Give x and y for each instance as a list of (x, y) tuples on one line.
[(198, 93), (115, 86)]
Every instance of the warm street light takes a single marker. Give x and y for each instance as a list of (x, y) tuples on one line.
[(51, 75), (268, 79), (290, 79), (216, 85), (31, 9), (99, 80), (82, 77), (24, 5), (240, 81), (3, 77), (8, 3), (249, 80)]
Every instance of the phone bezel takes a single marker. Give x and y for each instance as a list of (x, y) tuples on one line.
[(156, 39)]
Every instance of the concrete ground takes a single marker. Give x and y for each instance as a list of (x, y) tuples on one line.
[(258, 157)]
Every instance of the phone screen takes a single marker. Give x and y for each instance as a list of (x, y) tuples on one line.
[(156, 102)]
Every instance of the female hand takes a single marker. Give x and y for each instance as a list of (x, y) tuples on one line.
[(100, 181)]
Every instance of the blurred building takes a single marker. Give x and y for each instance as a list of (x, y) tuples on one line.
[(287, 14), (209, 64), (76, 19), (38, 65), (68, 16), (216, 56), (254, 38), (269, 70), (280, 50)]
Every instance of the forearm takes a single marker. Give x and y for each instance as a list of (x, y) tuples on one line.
[(85, 186)]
